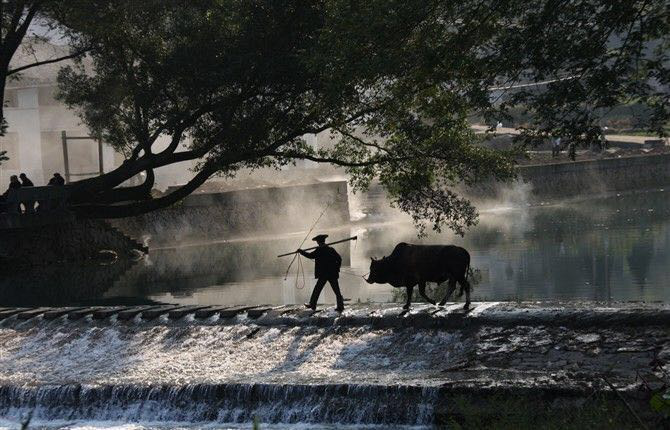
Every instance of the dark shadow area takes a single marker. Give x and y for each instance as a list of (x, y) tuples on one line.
[(61, 284)]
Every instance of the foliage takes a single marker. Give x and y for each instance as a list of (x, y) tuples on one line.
[(660, 395), (660, 402), (395, 80)]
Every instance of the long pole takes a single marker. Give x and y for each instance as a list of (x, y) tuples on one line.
[(66, 160), (314, 247), (100, 161)]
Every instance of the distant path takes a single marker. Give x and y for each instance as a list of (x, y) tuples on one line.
[(610, 137)]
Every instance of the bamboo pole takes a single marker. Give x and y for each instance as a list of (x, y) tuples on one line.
[(314, 247)]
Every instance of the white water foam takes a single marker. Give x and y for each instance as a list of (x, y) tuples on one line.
[(220, 371)]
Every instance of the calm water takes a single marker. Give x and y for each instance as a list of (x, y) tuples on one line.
[(612, 248)]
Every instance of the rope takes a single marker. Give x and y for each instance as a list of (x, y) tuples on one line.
[(300, 270), (352, 273)]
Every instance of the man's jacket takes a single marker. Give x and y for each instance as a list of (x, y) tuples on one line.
[(327, 262)]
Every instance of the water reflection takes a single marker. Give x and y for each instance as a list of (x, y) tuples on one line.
[(614, 248), (63, 284)]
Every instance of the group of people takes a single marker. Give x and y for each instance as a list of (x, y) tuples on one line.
[(22, 181)]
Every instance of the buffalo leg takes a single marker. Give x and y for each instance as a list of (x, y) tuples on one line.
[(466, 286), (450, 291), (422, 291), (410, 289)]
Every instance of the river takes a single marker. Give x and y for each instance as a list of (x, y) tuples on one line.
[(611, 248)]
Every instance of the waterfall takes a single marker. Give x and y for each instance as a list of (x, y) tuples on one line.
[(224, 403), (222, 372)]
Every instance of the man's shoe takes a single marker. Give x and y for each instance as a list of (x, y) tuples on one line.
[(308, 306), (340, 310)]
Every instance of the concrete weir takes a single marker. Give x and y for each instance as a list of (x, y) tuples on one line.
[(372, 364)]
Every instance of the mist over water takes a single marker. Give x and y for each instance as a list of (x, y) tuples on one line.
[(601, 248)]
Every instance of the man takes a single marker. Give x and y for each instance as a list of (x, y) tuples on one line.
[(25, 182), (13, 184), (57, 180), (326, 269)]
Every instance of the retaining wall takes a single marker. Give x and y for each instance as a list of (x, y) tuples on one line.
[(242, 212), (569, 179)]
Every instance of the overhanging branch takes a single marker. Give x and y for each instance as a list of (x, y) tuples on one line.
[(41, 63), (139, 208)]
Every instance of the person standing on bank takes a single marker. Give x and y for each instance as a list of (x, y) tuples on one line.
[(25, 181), (327, 264)]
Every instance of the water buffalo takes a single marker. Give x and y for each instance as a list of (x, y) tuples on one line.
[(409, 265)]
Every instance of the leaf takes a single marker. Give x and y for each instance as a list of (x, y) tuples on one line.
[(660, 402)]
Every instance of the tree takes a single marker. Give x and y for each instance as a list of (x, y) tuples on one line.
[(396, 79)]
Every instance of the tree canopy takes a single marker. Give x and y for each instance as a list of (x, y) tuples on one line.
[(398, 80)]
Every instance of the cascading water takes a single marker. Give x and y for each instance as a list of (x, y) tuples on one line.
[(221, 371)]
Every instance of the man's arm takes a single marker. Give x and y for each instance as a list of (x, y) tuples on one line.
[(310, 255)]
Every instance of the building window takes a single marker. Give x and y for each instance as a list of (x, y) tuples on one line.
[(10, 143)]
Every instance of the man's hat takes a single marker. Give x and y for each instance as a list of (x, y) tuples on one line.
[(319, 238)]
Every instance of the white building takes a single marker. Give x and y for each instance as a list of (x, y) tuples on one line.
[(36, 121)]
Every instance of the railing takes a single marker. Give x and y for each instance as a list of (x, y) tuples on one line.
[(29, 206)]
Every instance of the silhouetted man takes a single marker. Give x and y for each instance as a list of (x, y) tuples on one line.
[(25, 182), (57, 179), (326, 269), (13, 184)]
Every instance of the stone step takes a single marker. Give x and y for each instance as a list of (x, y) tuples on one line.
[(130, 313), (258, 311), (26, 315), (81, 313), (104, 313), (279, 312), (209, 311), (11, 312), (59, 312), (182, 311), (150, 314), (233, 311)]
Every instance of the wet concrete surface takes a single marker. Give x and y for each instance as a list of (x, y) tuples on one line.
[(576, 347)]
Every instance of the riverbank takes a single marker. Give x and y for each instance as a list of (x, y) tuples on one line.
[(114, 362)]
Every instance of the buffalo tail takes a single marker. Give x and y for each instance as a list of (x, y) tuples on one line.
[(467, 272)]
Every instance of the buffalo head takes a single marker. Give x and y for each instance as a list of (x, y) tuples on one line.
[(377, 272)]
